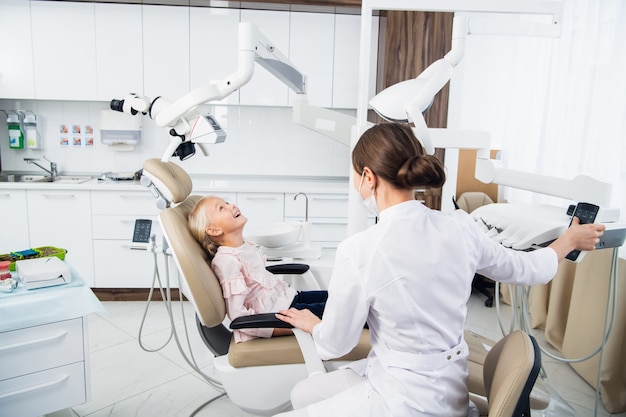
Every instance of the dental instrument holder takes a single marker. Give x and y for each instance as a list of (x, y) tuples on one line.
[(536, 227)]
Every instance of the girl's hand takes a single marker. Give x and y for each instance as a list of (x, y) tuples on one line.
[(300, 319), (578, 236)]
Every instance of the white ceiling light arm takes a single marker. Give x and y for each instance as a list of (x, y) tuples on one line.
[(186, 125)]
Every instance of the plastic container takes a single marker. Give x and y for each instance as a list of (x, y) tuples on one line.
[(4, 270), (41, 252)]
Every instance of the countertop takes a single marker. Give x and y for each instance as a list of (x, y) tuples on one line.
[(206, 183)]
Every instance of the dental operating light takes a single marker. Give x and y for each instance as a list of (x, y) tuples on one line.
[(186, 125)]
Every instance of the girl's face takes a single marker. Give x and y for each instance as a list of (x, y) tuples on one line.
[(224, 216)]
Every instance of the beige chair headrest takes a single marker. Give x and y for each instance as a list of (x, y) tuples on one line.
[(171, 180)]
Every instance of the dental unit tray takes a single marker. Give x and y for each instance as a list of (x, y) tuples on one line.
[(531, 226), (522, 226), (43, 272)]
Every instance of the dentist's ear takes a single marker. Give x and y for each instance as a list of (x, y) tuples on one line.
[(371, 180)]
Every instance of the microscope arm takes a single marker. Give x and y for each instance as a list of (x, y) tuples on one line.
[(181, 115)]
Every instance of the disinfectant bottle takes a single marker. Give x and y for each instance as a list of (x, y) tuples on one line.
[(16, 136)]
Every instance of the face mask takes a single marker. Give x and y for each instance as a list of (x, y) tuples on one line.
[(369, 202)]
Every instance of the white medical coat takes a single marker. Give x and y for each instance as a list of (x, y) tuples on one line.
[(409, 277)]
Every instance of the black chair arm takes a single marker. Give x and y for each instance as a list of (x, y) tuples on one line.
[(293, 269), (256, 321)]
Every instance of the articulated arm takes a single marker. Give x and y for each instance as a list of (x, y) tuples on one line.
[(186, 126)]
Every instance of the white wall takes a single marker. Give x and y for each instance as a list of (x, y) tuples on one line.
[(260, 141)]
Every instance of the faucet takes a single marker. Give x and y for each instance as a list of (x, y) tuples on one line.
[(306, 205), (306, 226), (53, 166)]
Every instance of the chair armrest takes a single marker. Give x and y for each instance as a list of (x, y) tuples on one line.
[(314, 364), (259, 321), (288, 269)]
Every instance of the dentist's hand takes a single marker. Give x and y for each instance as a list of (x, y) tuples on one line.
[(300, 319), (578, 236)]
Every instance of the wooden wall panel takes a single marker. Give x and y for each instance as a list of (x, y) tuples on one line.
[(410, 42)]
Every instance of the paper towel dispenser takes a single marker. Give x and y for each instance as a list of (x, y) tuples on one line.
[(119, 130)]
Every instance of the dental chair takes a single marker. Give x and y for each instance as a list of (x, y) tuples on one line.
[(258, 374), (510, 371)]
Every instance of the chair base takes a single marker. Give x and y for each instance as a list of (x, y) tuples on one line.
[(251, 390)]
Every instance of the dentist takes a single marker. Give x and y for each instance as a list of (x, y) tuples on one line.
[(409, 277)]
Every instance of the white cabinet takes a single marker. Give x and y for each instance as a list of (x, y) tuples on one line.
[(264, 89), (327, 216), (64, 50), (261, 208), (166, 51), (313, 55), (346, 60), (118, 50), (62, 218), (15, 221), (117, 262), (45, 368), (16, 65), (214, 47)]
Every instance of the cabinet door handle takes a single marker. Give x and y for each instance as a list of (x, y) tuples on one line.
[(59, 196), (330, 198), (262, 198), (34, 388), (33, 342), (137, 196), (329, 223), (7, 195)]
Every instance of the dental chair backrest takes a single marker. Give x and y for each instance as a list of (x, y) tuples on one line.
[(511, 369), (200, 286)]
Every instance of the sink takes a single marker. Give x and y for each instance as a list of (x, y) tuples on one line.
[(32, 178), (72, 179)]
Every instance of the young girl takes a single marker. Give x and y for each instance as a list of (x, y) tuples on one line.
[(248, 288)]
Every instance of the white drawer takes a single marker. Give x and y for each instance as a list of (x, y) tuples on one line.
[(38, 348), (228, 197), (116, 265), (260, 208), (139, 202), (320, 205), (121, 227), (44, 392)]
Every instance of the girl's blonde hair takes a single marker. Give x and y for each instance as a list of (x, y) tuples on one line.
[(198, 221)]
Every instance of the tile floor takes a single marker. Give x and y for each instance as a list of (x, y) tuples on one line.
[(128, 381)]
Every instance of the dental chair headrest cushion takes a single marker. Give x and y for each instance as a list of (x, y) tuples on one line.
[(170, 179)]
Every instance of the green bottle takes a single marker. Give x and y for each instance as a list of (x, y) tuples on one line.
[(16, 137)]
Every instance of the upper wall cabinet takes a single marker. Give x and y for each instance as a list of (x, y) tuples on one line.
[(166, 51), (313, 55), (101, 51), (64, 52), (214, 47), (119, 54), (264, 89), (16, 66), (346, 60)]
